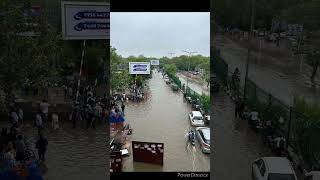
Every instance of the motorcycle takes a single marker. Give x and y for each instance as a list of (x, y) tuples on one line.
[(254, 121), (192, 138)]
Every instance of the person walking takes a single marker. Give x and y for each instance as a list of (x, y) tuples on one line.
[(55, 120), (122, 107), (39, 122), (14, 118), (41, 145), (44, 108), (98, 112), (20, 148), (237, 109), (20, 115), (76, 113), (89, 115), (241, 108)]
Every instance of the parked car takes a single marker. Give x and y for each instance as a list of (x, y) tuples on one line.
[(174, 87), (196, 118), (312, 175), (273, 168), (203, 136)]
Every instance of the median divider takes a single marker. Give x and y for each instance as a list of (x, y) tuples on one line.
[(204, 99)]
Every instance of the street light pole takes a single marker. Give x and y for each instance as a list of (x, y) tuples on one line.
[(249, 47), (171, 54), (190, 53)]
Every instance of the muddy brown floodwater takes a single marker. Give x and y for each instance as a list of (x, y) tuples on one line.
[(72, 153), (163, 117)]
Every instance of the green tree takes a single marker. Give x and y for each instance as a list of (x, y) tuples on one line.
[(29, 48), (171, 69)]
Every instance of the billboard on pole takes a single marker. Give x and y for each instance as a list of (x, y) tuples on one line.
[(85, 20), (139, 67), (154, 62)]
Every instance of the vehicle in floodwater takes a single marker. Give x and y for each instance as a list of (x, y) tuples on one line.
[(174, 87), (196, 118), (203, 135)]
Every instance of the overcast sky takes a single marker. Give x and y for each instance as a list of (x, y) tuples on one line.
[(158, 34)]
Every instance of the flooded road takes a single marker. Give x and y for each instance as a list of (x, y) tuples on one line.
[(194, 86), (163, 118), (72, 153), (235, 144)]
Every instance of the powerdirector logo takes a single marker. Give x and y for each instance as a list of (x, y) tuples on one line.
[(92, 15), (192, 175), (91, 26)]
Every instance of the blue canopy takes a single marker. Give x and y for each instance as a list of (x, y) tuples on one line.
[(116, 118)]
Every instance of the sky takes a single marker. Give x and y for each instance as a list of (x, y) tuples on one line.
[(156, 34)]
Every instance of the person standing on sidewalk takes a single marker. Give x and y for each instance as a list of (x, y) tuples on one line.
[(123, 107)]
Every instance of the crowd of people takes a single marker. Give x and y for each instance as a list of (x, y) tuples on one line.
[(90, 107), (116, 117), (13, 144), (137, 93)]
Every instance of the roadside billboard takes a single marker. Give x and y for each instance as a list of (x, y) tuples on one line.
[(85, 20), (139, 67), (154, 62)]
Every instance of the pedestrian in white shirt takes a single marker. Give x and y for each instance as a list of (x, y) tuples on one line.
[(39, 122), (44, 108), (55, 120), (20, 114)]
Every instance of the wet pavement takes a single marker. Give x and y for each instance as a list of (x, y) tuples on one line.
[(235, 144), (281, 79), (163, 117), (194, 86), (72, 153)]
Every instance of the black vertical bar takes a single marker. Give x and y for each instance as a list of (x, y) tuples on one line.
[(289, 127), (269, 100)]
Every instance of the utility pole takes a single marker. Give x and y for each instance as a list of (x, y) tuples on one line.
[(190, 53), (249, 46), (171, 54)]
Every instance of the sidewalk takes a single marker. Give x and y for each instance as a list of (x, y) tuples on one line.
[(279, 76)]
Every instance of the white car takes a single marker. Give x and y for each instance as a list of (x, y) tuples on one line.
[(196, 118), (203, 135), (273, 168)]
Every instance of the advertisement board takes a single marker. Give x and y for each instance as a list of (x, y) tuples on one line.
[(139, 67), (85, 20), (148, 152), (154, 62)]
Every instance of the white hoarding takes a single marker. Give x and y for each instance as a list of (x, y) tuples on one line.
[(154, 62), (139, 67), (85, 20)]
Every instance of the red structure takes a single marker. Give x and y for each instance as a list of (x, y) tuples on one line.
[(116, 162), (148, 152)]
